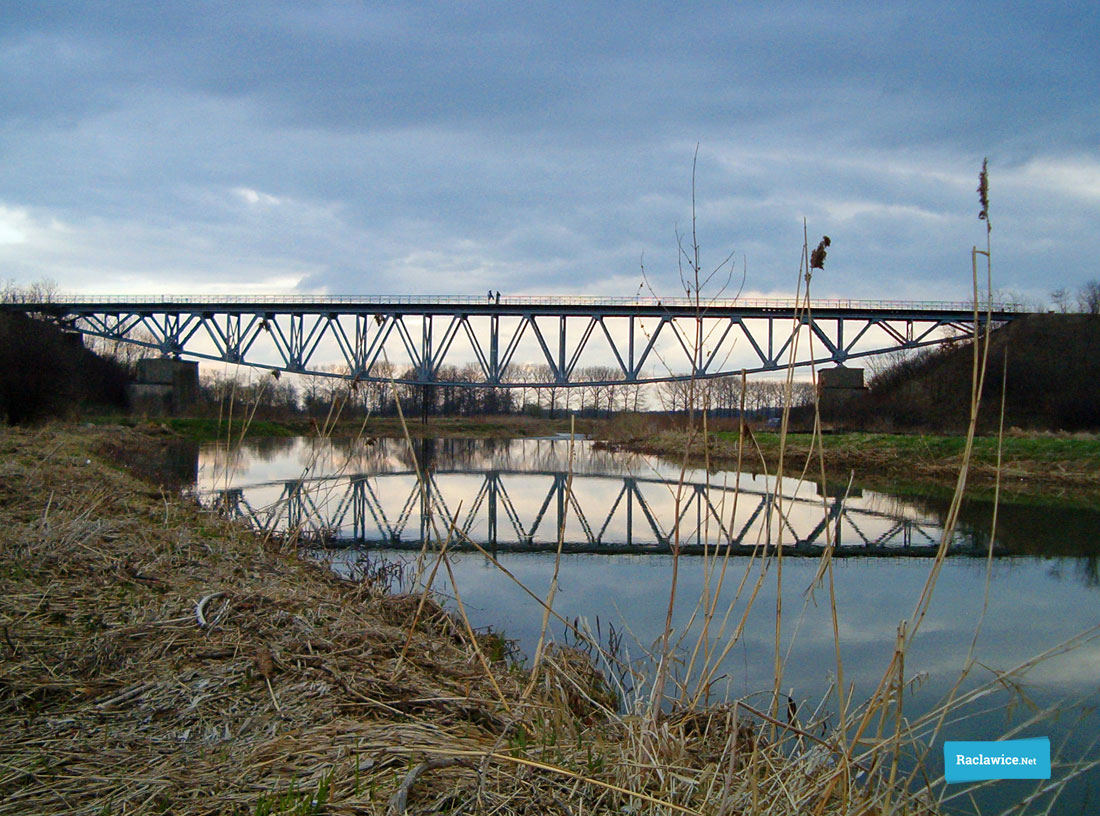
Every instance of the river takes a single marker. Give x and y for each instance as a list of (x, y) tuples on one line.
[(1001, 598)]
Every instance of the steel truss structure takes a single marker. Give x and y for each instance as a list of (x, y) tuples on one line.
[(645, 340), (348, 511)]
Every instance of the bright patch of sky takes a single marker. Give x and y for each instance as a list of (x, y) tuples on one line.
[(433, 148)]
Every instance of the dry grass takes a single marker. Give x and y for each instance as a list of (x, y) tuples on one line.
[(159, 659)]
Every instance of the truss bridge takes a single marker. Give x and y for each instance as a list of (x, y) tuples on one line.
[(516, 341)]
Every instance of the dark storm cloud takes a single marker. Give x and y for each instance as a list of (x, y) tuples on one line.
[(567, 66)]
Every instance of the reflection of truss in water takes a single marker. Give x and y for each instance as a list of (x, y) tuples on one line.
[(352, 510)]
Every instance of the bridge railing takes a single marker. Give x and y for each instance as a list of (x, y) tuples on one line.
[(786, 304)]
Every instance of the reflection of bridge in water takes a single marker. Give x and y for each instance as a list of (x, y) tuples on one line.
[(526, 511)]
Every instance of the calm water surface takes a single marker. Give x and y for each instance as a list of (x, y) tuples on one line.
[(618, 513)]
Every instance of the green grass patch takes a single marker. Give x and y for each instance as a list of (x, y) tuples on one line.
[(207, 429), (203, 429), (1051, 448)]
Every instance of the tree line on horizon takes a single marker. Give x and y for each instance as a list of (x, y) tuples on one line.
[(317, 395)]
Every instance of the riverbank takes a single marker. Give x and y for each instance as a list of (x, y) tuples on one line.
[(161, 659), (209, 429), (1035, 467), (1033, 463)]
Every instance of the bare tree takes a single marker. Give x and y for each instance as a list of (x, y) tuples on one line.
[(44, 291), (634, 398), (803, 394), (676, 395), (1088, 297), (550, 395), (609, 389), (313, 393), (521, 372), (471, 400), (882, 365), (726, 394), (125, 353)]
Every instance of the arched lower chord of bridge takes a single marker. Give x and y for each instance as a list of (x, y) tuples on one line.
[(525, 511), (517, 342)]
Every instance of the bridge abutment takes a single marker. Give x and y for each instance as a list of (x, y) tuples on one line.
[(838, 388), (164, 386)]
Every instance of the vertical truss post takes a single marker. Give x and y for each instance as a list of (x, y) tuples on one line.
[(426, 348), (171, 335), (561, 348), (494, 348), (426, 366), (233, 338), (631, 374), (359, 351), (296, 343)]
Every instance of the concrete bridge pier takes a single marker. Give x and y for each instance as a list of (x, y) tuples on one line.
[(838, 388), (164, 386)]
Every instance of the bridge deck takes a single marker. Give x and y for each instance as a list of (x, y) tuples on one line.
[(509, 305), (516, 341)]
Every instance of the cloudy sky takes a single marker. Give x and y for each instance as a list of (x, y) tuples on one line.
[(371, 148)]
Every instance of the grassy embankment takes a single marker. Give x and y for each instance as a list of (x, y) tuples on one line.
[(160, 659), (212, 428), (1032, 462)]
